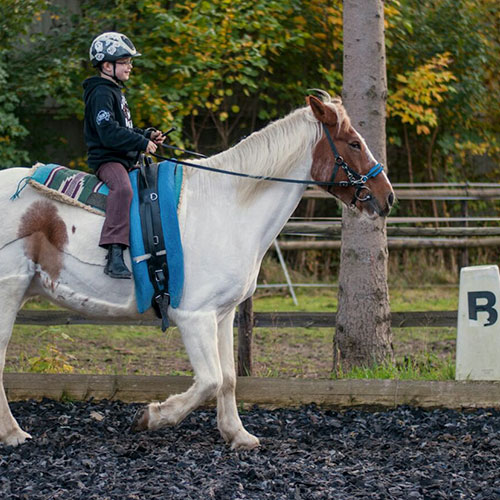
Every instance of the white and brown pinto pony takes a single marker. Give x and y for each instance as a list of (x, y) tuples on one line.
[(227, 224)]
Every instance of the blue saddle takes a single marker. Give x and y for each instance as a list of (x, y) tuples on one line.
[(85, 190), (169, 188)]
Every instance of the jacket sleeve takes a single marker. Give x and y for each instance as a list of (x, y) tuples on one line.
[(111, 133), (145, 132)]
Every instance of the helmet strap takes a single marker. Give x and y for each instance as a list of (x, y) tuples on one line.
[(113, 76)]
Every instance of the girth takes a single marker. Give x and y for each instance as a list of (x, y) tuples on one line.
[(154, 243)]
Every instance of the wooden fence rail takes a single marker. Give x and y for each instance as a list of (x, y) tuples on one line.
[(409, 243), (326, 228), (409, 237), (267, 392), (258, 319)]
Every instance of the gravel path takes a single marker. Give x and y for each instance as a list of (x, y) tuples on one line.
[(84, 451)]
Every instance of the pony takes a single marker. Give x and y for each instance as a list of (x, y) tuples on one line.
[(227, 223)]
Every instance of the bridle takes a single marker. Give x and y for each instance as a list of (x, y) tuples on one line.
[(354, 179)]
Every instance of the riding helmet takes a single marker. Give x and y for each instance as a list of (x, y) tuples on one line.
[(111, 46)]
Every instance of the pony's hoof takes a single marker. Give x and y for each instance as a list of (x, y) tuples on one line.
[(141, 421), (16, 438), (245, 441)]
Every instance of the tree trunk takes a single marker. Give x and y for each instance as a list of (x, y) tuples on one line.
[(363, 336)]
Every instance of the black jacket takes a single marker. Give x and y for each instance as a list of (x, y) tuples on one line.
[(108, 129)]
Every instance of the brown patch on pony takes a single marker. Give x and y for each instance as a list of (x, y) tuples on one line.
[(333, 115), (73, 229), (323, 162), (45, 236), (324, 159)]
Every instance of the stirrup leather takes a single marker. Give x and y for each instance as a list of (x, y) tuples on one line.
[(154, 243)]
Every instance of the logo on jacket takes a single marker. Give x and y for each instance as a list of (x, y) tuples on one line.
[(126, 113), (103, 115)]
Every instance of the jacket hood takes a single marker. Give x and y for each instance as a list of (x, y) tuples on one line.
[(95, 81)]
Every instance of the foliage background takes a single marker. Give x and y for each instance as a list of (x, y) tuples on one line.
[(219, 69)]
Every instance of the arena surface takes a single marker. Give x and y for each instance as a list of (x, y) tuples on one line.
[(85, 451)]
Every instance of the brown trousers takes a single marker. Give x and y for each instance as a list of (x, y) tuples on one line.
[(116, 228)]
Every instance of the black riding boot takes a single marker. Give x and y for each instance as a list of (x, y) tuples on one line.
[(115, 267)]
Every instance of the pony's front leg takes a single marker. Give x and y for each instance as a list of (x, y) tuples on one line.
[(12, 292), (228, 420), (199, 334)]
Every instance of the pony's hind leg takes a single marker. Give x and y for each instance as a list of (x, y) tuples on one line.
[(199, 334), (12, 292), (228, 420)]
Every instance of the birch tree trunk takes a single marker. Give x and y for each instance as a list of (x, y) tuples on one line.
[(363, 334)]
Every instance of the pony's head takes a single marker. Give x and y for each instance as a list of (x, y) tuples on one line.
[(342, 157)]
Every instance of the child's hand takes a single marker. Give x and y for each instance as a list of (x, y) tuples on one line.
[(151, 147), (157, 137)]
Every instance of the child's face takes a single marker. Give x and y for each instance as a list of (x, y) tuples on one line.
[(123, 68)]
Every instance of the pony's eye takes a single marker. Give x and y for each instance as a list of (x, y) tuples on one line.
[(355, 145)]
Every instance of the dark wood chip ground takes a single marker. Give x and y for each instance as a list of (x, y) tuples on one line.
[(85, 451)]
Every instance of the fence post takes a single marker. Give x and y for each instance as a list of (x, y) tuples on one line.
[(464, 254), (245, 332)]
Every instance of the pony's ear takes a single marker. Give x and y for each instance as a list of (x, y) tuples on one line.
[(325, 114)]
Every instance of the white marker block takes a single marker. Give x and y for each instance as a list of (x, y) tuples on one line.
[(478, 332)]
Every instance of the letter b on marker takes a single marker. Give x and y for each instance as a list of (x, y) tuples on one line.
[(474, 306)]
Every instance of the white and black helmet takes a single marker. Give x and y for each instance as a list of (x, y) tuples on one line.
[(111, 46)]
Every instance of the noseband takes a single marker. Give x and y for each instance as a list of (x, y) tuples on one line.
[(354, 179)]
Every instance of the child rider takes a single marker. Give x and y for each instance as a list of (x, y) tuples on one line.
[(112, 141)]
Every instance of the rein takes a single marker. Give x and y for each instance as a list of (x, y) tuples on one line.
[(240, 174), (354, 179)]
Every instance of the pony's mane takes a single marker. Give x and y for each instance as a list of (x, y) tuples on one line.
[(274, 150), (343, 121)]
